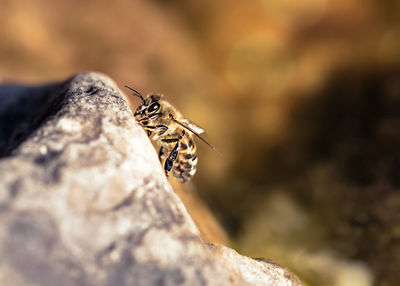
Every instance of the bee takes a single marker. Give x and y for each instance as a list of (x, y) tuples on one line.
[(167, 127)]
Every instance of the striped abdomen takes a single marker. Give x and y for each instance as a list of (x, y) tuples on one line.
[(185, 166)]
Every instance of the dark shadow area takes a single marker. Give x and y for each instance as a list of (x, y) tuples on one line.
[(351, 128), (340, 162), (22, 110)]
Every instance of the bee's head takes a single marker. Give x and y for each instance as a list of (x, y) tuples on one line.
[(150, 108)]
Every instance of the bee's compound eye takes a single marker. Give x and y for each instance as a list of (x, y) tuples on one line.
[(154, 107)]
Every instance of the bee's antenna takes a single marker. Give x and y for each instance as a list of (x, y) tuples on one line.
[(135, 93), (194, 132)]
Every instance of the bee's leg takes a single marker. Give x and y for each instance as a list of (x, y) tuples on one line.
[(149, 130), (161, 154), (170, 140), (161, 129), (171, 158)]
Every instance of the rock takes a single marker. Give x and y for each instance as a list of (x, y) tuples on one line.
[(259, 271), (84, 200)]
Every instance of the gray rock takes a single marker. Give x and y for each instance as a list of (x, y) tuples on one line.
[(84, 200)]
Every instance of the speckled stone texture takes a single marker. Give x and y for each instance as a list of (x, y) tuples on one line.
[(84, 200)]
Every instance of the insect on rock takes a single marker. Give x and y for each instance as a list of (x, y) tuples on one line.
[(167, 127)]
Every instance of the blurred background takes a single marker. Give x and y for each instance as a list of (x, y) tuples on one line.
[(301, 97)]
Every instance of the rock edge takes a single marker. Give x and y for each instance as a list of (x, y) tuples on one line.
[(84, 200)]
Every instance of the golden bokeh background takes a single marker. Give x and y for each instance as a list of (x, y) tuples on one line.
[(301, 97)]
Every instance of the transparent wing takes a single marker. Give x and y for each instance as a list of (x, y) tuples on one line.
[(193, 131), (193, 126)]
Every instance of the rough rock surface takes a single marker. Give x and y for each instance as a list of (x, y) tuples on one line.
[(84, 200)]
